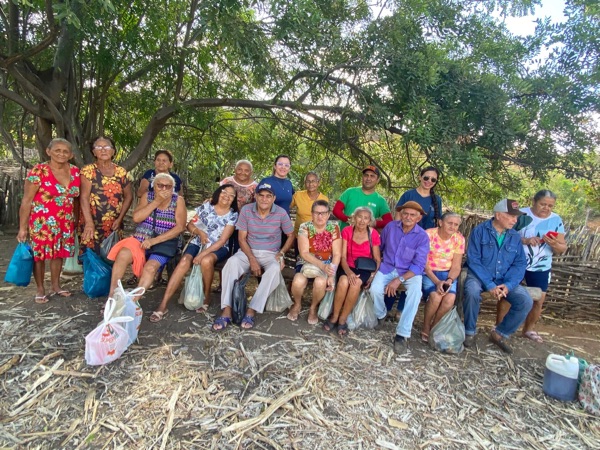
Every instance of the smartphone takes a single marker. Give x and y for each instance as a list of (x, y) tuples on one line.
[(446, 287), (551, 234)]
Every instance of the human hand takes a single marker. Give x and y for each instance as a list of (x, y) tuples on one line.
[(22, 236), (392, 287), (353, 279), (147, 243), (330, 283), (88, 233), (116, 224), (255, 268)]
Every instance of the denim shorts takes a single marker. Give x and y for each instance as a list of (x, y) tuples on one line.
[(193, 250), (538, 279), (429, 286)]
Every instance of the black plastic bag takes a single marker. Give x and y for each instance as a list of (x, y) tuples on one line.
[(108, 244), (239, 301)]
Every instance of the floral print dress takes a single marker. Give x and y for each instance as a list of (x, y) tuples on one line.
[(106, 202), (320, 244), (52, 221)]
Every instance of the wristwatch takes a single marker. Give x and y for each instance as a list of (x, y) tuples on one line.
[(402, 280)]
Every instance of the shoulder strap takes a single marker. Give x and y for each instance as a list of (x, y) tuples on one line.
[(370, 240)]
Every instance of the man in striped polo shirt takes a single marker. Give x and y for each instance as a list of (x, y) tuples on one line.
[(259, 225)]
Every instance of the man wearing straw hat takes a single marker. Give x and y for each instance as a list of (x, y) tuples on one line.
[(496, 263), (404, 248)]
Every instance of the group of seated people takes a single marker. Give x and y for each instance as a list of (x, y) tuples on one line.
[(420, 248)]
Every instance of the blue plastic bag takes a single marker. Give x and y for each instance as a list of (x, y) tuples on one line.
[(20, 267), (96, 275)]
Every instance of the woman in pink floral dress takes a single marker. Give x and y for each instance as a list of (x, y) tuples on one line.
[(47, 216), (319, 244)]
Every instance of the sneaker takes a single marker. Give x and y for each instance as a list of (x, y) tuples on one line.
[(400, 345), (469, 340), (498, 340)]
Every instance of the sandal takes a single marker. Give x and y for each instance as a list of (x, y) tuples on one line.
[(533, 336), (247, 320), (342, 329), (41, 299), (203, 308), (424, 337), (329, 326), (61, 293), (221, 322), (157, 316)]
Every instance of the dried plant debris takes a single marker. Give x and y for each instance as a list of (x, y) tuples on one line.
[(271, 390)]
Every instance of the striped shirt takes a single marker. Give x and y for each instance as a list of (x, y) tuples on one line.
[(264, 234)]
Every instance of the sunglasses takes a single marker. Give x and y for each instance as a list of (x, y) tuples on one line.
[(433, 180)]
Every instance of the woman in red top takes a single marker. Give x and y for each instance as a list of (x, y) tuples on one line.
[(46, 214), (355, 244)]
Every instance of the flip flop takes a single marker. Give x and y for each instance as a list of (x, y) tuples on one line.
[(293, 315), (157, 316), (203, 308), (533, 336), (61, 293), (343, 329), (41, 299), (247, 320), (329, 326), (222, 322)]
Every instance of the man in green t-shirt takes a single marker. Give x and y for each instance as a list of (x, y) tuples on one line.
[(364, 195)]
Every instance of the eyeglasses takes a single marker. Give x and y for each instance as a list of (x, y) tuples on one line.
[(280, 164), (227, 194), (103, 148), (311, 181), (163, 186), (320, 213), (433, 180)]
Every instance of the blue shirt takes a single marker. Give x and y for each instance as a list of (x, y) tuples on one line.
[(283, 189), (428, 220), (403, 251), (494, 265)]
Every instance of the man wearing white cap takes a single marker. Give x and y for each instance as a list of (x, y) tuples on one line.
[(496, 263)]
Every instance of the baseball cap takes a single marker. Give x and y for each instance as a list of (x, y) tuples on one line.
[(509, 206), (411, 205), (372, 168), (265, 187)]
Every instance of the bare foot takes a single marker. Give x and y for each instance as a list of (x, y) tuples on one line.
[(313, 319), (293, 313)]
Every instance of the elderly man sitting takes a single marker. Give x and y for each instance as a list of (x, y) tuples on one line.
[(260, 225), (496, 263), (404, 247)]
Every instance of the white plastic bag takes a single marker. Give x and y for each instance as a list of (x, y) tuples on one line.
[(326, 306), (280, 299), (127, 305), (448, 335), (108, 341), (364, 311), (194, 289)]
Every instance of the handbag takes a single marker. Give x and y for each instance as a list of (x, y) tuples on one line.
[(362, 262), (165, 248)]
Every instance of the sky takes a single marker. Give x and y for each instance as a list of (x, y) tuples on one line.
[(524, 26)]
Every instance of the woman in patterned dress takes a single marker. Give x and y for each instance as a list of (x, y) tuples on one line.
[(160, 216), (446, 249), (320, 244), (211, 226), (106, 195), (46, 214)]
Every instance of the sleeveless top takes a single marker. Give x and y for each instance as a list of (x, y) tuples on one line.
[(165, 220)]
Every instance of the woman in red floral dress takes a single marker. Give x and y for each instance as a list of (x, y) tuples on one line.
[(46, 214), (319, 244), (106, 195)]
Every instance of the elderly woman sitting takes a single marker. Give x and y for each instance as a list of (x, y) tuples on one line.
[(446, 249), (320, 248), (359, 240), (161, 217)]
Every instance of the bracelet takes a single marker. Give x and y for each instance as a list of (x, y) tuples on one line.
[(451, 279)]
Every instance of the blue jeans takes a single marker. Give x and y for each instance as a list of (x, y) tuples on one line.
[(520, 305), (413, 297)]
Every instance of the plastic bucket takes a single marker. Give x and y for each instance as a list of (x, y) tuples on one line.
[(560, 377)]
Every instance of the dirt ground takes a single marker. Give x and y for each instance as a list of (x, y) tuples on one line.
[(281, 385)]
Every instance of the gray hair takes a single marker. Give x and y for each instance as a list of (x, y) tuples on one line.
[(542, 194), (165, 176), (360, 209), (448, 214), (55, 141), (312, 173), (244, 161)]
